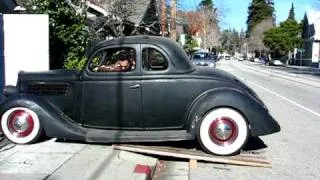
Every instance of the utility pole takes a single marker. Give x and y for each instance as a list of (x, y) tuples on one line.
[(163, 17), (173, 32)]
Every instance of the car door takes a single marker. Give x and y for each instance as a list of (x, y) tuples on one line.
[(112, 99), (164, 103)]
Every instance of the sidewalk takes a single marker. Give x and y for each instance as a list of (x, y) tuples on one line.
[(304, 68), (294, 68), (56, 160)]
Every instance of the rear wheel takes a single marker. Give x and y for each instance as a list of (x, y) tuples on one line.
[(223, 131), (21, 125)]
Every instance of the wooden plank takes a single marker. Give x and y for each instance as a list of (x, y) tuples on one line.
[(196, 155), (193, 163)]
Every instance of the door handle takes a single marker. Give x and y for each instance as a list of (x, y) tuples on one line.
[(135, 86)]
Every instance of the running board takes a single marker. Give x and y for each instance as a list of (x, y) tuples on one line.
[(137, 136)]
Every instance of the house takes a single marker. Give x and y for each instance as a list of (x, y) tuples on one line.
[(311, 37)]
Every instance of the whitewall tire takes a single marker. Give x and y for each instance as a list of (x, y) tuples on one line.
[(223, 131), (21, 125)]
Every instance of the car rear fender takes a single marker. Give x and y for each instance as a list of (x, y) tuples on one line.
[(53, 121), (259, 120)]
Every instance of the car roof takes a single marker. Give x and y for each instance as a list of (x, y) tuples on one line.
[(177, 55)]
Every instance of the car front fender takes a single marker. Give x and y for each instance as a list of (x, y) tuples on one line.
[(53, 121), (259, 119)]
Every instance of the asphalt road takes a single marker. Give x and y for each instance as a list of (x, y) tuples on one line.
[(294, 152)]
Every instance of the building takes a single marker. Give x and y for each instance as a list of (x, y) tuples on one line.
[(311, 36)]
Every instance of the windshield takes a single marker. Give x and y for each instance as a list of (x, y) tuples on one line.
[(203, 56)]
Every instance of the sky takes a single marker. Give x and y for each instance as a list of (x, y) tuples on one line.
[(233, 13)]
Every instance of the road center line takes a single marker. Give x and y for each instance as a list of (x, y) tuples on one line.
[(284, 98)]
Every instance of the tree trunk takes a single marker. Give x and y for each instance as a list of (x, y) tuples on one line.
[(173, 33), (163, 17)]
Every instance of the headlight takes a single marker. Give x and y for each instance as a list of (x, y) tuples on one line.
[(9, 90), (211, 65)]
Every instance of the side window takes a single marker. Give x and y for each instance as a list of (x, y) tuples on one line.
[(153, 60), (113, 60)]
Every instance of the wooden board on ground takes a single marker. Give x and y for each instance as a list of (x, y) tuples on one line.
[(193, 163), (191, 154)]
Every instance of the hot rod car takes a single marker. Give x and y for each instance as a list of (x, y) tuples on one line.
[(136, 89)]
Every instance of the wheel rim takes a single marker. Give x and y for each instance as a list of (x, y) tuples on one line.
[(20, 123), (223, 131)]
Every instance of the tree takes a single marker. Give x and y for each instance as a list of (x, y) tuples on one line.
[(208, 18), (190, 44), (67, 32), (257, 35), (226, 40), (204, 23), (305, 27), (242, 39), (283, 39), (235, 39), (163, 18), (206, 3), (173, 16), (291, 13), (260, 18), (123, 17), (257, 12)]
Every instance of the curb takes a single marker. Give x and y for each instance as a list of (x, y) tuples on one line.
[(144, 167), (143, 172)]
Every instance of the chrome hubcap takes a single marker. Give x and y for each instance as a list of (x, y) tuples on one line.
[(20, 123), (223, 131)]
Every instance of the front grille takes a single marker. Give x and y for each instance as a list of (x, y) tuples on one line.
[(48, 89), (202, 64)]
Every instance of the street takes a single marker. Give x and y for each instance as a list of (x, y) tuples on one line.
[(293, 152), (95, 90)]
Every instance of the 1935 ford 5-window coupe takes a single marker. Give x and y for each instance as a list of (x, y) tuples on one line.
[(136, 89)]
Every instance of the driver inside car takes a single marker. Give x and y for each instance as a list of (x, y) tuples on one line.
[(123, 64)]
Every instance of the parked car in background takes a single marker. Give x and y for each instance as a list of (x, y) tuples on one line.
[(279, 62), (136, 89), (204, 59), (241, 58)]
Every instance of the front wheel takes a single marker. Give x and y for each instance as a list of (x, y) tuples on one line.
[(223, 131), (21, 125)]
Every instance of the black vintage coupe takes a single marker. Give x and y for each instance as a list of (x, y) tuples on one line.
[(136, 89)]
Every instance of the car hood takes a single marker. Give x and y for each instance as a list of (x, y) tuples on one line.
[(203, 60), (61, 74)]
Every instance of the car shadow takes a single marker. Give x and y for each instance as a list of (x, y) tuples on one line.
[(254, 144)]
